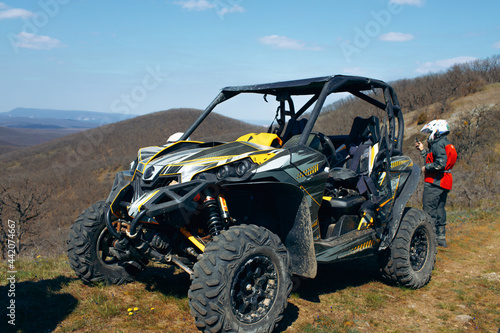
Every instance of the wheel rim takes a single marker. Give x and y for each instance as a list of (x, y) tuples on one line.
[(418, 248), (104, 243), (254, 289)]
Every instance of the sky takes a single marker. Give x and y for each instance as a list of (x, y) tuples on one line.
[(143, 56)]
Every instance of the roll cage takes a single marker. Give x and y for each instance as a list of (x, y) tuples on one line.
[(320, 88)]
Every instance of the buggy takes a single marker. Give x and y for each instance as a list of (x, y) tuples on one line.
[(247, 217)]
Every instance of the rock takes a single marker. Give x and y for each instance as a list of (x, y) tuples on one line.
[(463, 318), (491, 277)]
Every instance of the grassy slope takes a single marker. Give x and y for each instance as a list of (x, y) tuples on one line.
[(342, 298)]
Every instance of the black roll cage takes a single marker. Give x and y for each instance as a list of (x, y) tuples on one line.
[(319, 88)]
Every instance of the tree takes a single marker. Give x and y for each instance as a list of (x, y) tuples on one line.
[(21, 202)]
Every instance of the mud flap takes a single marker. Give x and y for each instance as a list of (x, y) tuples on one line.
[(399, 207), (300, 245)]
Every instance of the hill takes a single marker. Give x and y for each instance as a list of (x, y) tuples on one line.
[(70, 173), (12, 138), (467, 95)]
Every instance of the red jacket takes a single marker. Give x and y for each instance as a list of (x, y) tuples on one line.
[(439, 160)]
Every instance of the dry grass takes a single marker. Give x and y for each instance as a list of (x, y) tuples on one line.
[(343, 298)]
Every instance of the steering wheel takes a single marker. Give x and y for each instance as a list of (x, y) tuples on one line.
[(328, 147)]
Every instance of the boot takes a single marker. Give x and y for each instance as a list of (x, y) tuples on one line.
[(440, 236)]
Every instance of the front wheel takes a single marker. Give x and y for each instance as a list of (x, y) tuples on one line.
[(89, 250), (241, 282), (410, 259)]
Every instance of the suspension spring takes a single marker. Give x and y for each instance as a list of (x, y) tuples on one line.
[(215, 224)]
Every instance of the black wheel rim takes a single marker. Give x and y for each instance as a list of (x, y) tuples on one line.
[(254, 289), (418, 248), (104, 243)]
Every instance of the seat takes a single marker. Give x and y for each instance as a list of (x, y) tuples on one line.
[(293, 127)]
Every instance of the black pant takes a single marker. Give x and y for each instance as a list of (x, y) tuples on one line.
[(434, 200)]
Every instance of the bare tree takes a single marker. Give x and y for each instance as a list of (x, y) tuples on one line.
[(22, 204)]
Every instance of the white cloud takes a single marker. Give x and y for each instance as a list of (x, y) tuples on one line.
[(2, 5), (197, 5), (229, 10), (220, 7), (436, 66), (13, 12), (496, 45), (28, 40), (283, 42), (407, 2), (396, 37)]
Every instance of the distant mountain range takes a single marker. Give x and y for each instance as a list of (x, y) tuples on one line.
[(58, 119), (24, 127)]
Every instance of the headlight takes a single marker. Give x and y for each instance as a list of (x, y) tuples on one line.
[(238, 169), (149, 172), (223, 172), (242, 167)]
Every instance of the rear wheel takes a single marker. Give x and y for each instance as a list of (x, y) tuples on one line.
[(241, 282), (89, 248), (410, 259)]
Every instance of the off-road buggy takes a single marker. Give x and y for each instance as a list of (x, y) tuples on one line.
[(244, 218)]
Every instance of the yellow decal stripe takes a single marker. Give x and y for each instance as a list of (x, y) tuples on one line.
[(303, 189), (113, 203), (364, 245), (147, 199), (309, 171)]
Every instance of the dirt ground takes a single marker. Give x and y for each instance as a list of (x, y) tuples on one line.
[(462, 296)]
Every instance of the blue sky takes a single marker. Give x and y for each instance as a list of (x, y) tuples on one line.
[(142, 56)]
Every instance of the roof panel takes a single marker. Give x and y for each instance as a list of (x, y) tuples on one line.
[(341, 83)]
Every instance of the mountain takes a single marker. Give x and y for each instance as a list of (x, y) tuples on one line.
[(88, 119), (35, 126)]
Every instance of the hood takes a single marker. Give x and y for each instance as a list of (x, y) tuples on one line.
[(186, 159)]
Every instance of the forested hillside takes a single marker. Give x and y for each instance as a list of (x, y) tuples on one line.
[(468, 96), (45, 187)]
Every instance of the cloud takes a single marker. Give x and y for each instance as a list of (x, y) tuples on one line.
[(229, 10), (407, 2), (28, 40), (10, 13), (220, 7), (286, 43), (496, 45), (436, 66), (197, 5), (396, 37)]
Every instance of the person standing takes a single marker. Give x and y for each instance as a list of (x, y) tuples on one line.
[(440, 157)]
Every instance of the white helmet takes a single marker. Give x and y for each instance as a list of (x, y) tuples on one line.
[(436, 128)]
